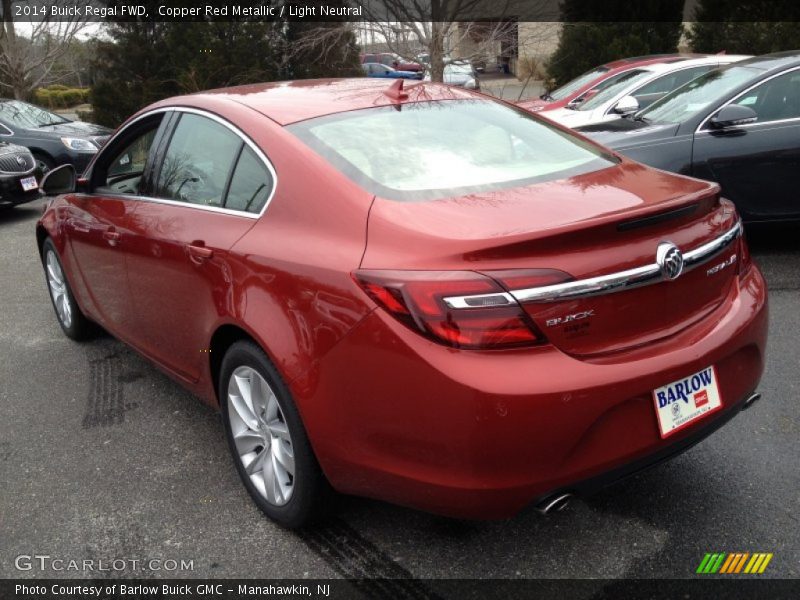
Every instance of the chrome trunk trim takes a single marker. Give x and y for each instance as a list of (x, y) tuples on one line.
[(605, 284)]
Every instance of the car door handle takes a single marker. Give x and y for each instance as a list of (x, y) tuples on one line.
[(112, 236), (200, 252)]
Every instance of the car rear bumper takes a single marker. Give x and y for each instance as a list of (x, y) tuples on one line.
[(484, 434)]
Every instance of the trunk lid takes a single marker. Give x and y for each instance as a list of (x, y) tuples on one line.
[(588, 226)]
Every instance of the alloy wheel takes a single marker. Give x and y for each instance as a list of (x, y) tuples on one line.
[(261, 435), (58, 289)]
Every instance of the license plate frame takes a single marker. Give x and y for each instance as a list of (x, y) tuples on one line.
[(695, 396)]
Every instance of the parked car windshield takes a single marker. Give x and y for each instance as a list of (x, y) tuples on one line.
[(577, 83), (28, 116), (428, 150), (612, 90), (696, 95)]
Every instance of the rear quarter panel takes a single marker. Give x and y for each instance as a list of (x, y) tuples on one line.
[(291, 282)]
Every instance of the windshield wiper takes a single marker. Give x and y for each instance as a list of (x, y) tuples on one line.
[(52, 123)]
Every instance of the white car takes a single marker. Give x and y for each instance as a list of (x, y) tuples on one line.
[(461, 74), (635, 90)]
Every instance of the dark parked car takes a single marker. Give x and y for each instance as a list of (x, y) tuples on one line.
[(51, 138), (379, 70), (19, 175), (738, 126)]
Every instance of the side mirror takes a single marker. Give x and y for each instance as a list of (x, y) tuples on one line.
[(626, 105), (61, 180), (733, 115)]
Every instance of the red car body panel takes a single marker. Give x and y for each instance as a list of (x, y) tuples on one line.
[(614, 68), (389, 413)]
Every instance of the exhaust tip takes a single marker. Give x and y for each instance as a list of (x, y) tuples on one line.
[(752, 399), (554, 504)]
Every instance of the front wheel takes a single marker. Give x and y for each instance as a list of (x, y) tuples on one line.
[(44, 162), (267, 439), (74, 324)]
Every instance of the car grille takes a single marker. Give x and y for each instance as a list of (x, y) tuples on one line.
[(17, 162)]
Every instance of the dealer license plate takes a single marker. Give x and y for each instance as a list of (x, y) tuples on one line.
[(29, 183), (682, 402)]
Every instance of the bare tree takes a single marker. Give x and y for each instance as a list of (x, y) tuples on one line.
[(476, 30), (27, 60)]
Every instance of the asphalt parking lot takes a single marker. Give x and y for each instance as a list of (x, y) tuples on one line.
[(103, 457)]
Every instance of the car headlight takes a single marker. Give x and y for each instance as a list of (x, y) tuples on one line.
[(79, 144), (471, 84)]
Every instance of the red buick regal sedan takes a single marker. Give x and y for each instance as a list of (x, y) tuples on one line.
[(425, 296)]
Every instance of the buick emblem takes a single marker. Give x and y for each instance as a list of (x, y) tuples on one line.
[(670, 260), (21, 161)]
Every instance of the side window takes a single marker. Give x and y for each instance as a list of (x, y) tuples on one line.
[(776, 99), (671, 81), (133, 157), (251, 183), (121, 168), (197, 162)]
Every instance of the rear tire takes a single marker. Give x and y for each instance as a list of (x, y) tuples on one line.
[(267, 440), (73, 322)]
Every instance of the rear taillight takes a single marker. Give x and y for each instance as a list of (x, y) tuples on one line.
[(462, 309)]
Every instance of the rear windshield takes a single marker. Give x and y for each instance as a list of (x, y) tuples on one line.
[(425, 150)]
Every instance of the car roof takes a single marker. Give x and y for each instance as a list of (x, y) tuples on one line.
[(773, 62), (287, 102), (695, 62), (649, 59)]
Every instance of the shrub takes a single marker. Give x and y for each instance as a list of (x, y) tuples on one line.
[(60, 96)]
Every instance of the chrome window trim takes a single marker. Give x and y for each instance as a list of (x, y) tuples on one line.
[(602, 284), (238, 132), (216, 209), (739, 95), (3, 127)]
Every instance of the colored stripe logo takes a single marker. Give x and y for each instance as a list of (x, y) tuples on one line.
[(730, 563)]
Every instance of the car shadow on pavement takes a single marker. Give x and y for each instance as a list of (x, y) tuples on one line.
[(10, 215)]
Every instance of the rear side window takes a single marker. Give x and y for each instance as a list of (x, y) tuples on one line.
[(251, 183), (198, 162), (427, 150)]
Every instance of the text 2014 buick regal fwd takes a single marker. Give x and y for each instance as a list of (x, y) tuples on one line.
[(424, 295)]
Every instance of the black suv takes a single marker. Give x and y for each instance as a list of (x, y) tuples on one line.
[(51, 138), (19, 175)]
